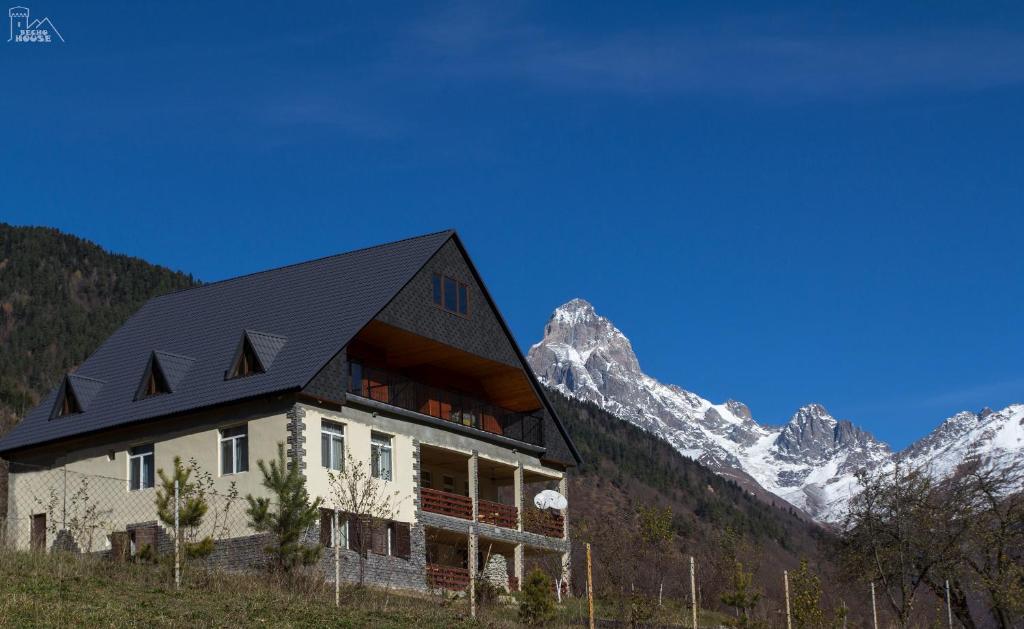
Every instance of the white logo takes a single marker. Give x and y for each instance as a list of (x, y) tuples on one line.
[(25, 31)]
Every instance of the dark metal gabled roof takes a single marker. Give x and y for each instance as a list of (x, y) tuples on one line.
[(305, 313)]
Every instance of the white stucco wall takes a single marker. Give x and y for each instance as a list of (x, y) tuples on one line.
[(90, 478)]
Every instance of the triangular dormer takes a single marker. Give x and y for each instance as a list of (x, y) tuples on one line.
[(153, 380), (164, 372), (67, 402), (74, 396), (255, 354)]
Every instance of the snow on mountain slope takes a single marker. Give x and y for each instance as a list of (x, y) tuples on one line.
[(810, 462)]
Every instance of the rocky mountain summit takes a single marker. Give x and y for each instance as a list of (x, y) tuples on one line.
[(811, 461)]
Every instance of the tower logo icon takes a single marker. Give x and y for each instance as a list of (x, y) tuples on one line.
[(25, 30)]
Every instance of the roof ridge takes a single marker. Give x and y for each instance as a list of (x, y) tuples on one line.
[(78, 375), (304, 262), (160, 351)]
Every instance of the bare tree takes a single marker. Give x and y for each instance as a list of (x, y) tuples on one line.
[(367, 503), (910, 533), (883, 540), (992, 551)]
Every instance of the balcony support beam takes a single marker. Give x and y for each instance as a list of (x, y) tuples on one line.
[(518, 491), (518, 559), (472, 472), (563, 488)]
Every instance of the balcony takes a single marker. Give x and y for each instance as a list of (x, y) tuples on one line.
[(400, 391), (497, 514), (446, 503), (545, 523), (450, 578)]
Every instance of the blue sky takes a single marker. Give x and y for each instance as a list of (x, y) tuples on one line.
[(779, 203)]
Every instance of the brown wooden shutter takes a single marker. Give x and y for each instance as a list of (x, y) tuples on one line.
[(403, 542), (379, 545), (354, 536), (325, 527)]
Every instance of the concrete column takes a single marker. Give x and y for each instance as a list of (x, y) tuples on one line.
[(474, 482), (471, 563), (518, 487), (563, 488), (518, 561)]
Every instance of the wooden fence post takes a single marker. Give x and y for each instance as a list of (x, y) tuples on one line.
[(789, 619), (590, 588), (874, 610), (693, 590)]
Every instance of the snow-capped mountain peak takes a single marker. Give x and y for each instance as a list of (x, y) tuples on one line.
[(810, 461)]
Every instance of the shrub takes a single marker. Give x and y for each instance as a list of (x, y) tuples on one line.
[(537, 599)]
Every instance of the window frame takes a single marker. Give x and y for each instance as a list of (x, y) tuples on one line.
[(334, 430), (139, 483), (439, 294), (341, 534), (376, 439), (234, 439)]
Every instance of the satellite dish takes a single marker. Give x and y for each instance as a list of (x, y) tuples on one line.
[(550, 499)]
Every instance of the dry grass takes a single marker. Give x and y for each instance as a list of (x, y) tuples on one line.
[(39, 590), (56, 590)]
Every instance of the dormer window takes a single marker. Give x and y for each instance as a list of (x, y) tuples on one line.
[(247, 363), (75, 395), (255, 354), (69, 403), (450, 294), (154, 382)]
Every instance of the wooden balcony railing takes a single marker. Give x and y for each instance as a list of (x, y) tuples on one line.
[(544, 523), (447, 577), (395, 389), (497, 514), (446, 503)]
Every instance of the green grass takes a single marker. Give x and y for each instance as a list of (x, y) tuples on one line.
[(48, 590)]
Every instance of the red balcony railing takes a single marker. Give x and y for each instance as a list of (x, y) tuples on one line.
[(447, 577), (446, 503), (395, 389), (544, 523), (497, 514)]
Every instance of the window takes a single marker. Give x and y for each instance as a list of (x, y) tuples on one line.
[(332, 446), (247, 363), (450, 294), (234, 450), (154, 382), (448, 482), (380, 455), (437, 289), (69, 403), (425, 479), (140, 467), (327, 532)]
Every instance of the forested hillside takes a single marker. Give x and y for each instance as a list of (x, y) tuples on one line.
[(630, 476), (60, 297)]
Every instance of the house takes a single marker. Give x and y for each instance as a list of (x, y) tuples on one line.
[(395, 355)]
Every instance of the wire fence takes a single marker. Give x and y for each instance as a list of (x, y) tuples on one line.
[(129, 519)]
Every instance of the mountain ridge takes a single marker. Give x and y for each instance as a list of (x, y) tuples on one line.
[(811, 461)]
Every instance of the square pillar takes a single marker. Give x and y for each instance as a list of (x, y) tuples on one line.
[(518, 561), (563, 488), (471, 561), (518, 487), (474, 482)]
